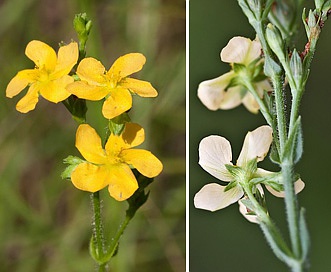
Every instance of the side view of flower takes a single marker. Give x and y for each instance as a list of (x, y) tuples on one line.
[(110, 166), (114, 85), (49, 78), (229, 91), (244, 177)]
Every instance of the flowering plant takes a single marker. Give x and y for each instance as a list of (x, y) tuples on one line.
[(273, 60)]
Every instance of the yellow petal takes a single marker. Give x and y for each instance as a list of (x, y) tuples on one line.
[(140, 87), (89, 177), (119, 101), (144, 161), (67, 58), (92, 71), (29, 101), (132, 135), (88, 143), (122, 182), (20, 81), (127, 65), (41, 54), (85, 91), (55, 91)]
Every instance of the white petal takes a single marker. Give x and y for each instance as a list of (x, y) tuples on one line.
[(299, 185), (232, 98), (214, 153), (241, 50), (211, 92), (262, 86), (250, 217), (212, 197), (250, 103), (256, 145)]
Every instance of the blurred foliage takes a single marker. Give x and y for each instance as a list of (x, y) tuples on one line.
[(45, 223), (224, 240)]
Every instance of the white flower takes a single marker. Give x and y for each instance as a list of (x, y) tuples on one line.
[(218, 93), (215, 153)]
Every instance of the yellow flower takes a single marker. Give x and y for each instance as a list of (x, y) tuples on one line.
[(111, 165), (48, 79), (113, 85)]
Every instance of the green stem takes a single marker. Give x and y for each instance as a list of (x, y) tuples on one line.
[(263, 108), (280, 111), (114, 243), (97, 234), (291, 205), (269, 229)]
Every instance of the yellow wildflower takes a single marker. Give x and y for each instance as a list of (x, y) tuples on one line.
[(114, 85), (111, 165), (48, 79)]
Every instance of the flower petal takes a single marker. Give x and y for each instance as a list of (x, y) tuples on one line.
[(250, 217), (119, 101), (299, 185), (91, 71), (132, 135), (212, 197), (211, 92), (29, 101), (139, 87), (90, 177), (241, 50), (250, 103), (84, 90), (127, 65), (88, 143), (122, 183), (67, 58), (214, 153), (41, 54), (232, 98), (256, 145), (20, 81), (55, 91), (144, 161)]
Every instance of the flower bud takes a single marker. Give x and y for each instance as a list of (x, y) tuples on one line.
[(275, 41)]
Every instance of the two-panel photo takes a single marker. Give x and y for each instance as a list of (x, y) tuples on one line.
[(165, 136)]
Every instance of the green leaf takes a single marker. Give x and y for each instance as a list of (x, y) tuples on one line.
[(139, 197), (294, 146), (304, 235)]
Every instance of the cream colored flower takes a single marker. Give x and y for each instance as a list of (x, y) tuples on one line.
[(221, 92), (215, 154)]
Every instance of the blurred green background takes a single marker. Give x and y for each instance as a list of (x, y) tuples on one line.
[(45, 223), (224, 240)]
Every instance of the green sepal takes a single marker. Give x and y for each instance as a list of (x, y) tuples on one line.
[(140, 196), (251, 166), (233, 169), (248, 204), (117, 124), (304, 235), (294, 146), (231, 185), (73, 162), (238, 68)]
